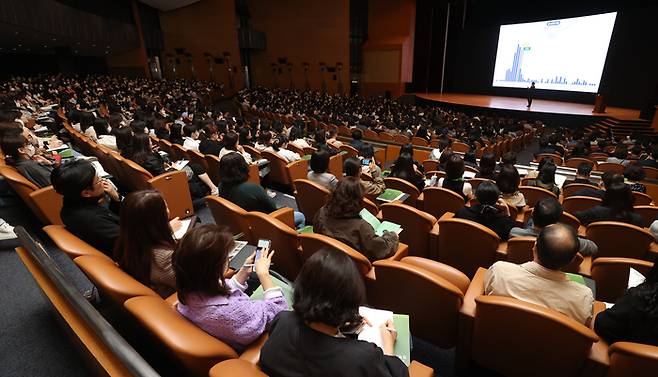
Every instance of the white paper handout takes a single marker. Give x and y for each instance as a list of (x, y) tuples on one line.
[(376, 317), (185, 224)]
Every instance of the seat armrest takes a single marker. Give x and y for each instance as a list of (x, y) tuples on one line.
[(475, 289), (501, 252), (598, 360), (286, 215), (446, 216), (417, 369), (585, 267), (466, 320), (235, 367), (443, 270), (401, 252), (252, 353), (420, 202), (434, 242), (652, 253)]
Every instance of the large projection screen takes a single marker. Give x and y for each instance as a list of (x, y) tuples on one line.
[(567, 54)]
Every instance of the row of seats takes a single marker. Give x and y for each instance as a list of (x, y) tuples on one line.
[(598, 162)]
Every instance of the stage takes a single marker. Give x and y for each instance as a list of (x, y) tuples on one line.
[(539, 106)]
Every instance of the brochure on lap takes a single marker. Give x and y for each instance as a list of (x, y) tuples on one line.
[(378, 226)]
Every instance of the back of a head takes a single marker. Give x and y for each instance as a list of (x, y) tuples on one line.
[(621, 152), (547, 173), (455, 167), (547, 211), (329, 289), (351, 167), (508, 179), (357, 134), (488, 163), (611, 177), (11, 143), (230, 140), (367, 151), (320, 136), (138, 126), (320, 161), (403, 166), (346, 200), (199, 261), (509, 158), (584, 169), (487, 193), (556, 246), (620, 199), (233, 170), (71, 179), (407, 148), (634, 173)]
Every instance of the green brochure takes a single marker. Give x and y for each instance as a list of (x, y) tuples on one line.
[(378, 226), (259, 294), (390, 195)]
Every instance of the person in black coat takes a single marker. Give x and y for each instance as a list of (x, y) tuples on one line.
[(318, 337), (491, 211), (87, 212), (617, 205), (211, 144), (634, 317)]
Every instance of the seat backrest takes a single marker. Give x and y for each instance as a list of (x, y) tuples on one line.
[(534, 194), (70, 244), (402, 139), (475, 182), (517, 338), (313, 242), (336, 165), (228, 214), (236, 367), (616, 239), (111, 280), (570, 189), (310, 197), (519, 249), (297, 170), (611, 275), (196, 350), (632, 359), (180, 153), (642, 199), (370, 134), (293, 148), (253, 152), (212, 162), (648, 213), (384, 136), (575, 162), (23, 188), (598, 157), (287, 259), (458, 146), (416, 227), (165, 146), (197, 158), (351, 151), (370, 206), (137, 176), (574, 204), (610, 166), (175, 191), (405, 187), (278, 172), (437, 201), (435, 319), (556, 158), (419, 141), (430, 165), (49, 203), (466, 245), (650, 173)]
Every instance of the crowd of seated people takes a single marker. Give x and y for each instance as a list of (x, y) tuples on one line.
[(136, 232)]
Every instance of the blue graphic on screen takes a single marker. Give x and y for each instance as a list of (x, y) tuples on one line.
[(567, 54)]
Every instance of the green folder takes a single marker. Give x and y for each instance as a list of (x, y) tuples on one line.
[(259, 294), (66, 153), (402, 346), (306, 157), (306, 229), (342, 152), (390, 195), (577, 278), (378, 226)]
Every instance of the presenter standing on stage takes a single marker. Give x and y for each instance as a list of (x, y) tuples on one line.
[(531, 93)]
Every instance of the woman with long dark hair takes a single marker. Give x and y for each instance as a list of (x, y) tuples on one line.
[(146, 244), (617, 205), (404, 168), (454, 180), (487, 167), (634, 317), (490, 211), (546, 177)]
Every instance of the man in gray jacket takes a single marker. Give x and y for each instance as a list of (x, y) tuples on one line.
[(546, 212)]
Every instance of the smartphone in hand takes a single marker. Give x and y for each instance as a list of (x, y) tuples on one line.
[(263, 244)]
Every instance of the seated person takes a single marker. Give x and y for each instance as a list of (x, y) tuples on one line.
[(487, 166), (235, 187), (541, 282), (231, 146), (404, 168), (409, 149), (146, 244), (490, 211), (607, 179), (619, 155), (328, 293), (634, 316), (321, 143), (353, 167), (546, 177), (617, 205), (198, 180), (545, 147), (191, 139), (218, 306), (508, 181), (546, 212), (265, 139), (357, 142), (22, 155), (634, 175), (85, 211), (212, 143), (279, 146), (444, 143), (319, 166), (332, 134), (582, 175), (652, 160), (103, 134), (470, 160), (339, 218), (297, 138), (454, 180)]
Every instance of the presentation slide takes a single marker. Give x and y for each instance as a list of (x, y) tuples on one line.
[(567, 54)]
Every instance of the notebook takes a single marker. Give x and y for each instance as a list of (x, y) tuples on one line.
[(378, 226), (390, 195), (185, 226), (376, 317), (178, 165), (287, 290), (306, 229)]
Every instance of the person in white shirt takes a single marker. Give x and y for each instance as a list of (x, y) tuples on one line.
[(541, 282), (444, 144), (191, 139), (296, 138), (264, 140), (279, 146), (231, 146)]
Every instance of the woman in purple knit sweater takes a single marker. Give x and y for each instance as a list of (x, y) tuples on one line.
[(220, 307)]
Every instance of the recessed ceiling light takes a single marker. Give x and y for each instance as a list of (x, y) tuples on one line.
[(54, 39), (20, 45), (76, 51), (45, 46)]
